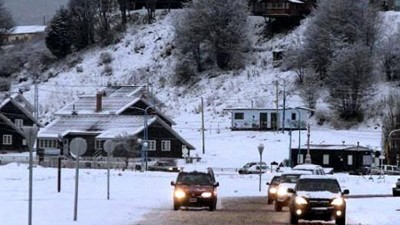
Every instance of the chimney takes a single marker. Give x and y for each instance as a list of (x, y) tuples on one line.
[(99, 100)]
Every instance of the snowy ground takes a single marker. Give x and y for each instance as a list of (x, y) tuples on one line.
[(133, 194)]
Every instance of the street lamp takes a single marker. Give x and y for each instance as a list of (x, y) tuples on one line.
[(144, 142), (308, 156), (260, 150)]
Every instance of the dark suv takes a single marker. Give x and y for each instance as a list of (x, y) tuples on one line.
[(317, 197), (195, 189)]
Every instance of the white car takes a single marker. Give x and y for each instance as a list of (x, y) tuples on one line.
[(254, 168), (288, 180), (313, 168)]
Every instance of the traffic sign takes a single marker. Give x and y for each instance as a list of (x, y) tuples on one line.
[(109, 146), (78, 146)]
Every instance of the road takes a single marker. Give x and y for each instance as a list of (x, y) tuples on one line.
[(231, 211)]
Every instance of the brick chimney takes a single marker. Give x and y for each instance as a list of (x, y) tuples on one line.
[(99, 101)]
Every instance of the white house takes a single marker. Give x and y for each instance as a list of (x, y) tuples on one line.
[(268, 118)]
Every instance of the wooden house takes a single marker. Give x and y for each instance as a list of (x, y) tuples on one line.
[(157, 4), (15, 113), (113, 114), (24, 33), (339, 157), (268, 118), (281, 8)]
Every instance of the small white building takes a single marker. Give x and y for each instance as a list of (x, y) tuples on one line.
[(268, 119), (24, 33)]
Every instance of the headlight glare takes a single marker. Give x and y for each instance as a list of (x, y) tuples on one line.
[(338, 201), (179, 194), (206, 194), (282, 191), (300, 201), (272, 190), (394, 186)]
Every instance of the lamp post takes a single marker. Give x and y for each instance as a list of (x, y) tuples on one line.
[(260, 150), (144, 142), (308, 156), (298, 127)]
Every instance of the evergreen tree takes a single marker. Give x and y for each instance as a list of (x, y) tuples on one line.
[(58, 39), (83, 20), (6, 22)]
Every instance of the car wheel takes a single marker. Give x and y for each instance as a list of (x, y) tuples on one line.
[(176, 206), (341, 220), (278, 206), (294, 219), (211, 207), (395, 193), (269, 202)]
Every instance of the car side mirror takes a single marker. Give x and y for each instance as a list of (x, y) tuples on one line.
[(346, 192), (267, 183), (291, 190), (173, 183), (216, 184)]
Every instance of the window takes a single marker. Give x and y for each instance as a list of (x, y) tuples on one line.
[(7, 139), (98, 144), (152, 145), (45, 143), (19, 122), (165, 145), (24, 142), (239, 116), (350, 160), (325, 159), (294, 116)]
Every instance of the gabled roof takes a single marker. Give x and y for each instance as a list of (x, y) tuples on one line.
[(114, 101), (11, 124), (22, 104), (103, 126), (31, 29)]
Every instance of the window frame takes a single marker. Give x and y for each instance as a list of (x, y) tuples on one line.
[(325, 159), (237, 117), (166, 145), (7, 139), (151, 145), (19, 122)]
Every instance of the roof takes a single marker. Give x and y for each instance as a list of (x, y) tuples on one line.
[(28, 29), (19, 101), (265, 109), (320, 177), (301, 172), (334, 147), (108, 126)]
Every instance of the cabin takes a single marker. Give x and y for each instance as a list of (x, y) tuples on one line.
[(114, 113), (340, 157), (281, 8), (268, 118), (24, 33), (159, 4), (16, 112)]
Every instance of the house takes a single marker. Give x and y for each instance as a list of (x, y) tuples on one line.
[(281, 8), (268, 118), (340, 157), (24, 33), (386, 5), (15, 113), (113, 113), (159, 4)]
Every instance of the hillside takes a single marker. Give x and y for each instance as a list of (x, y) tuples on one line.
[(141, 57)]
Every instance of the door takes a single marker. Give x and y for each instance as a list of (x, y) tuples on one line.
[(263, 120), (274, 121)]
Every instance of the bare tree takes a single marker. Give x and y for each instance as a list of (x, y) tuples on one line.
[(83, 16), (391, 121), (6, 22)]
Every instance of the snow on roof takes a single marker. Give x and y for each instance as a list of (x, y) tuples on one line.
[(334, 147), (301, 172), (109, 126), (296, 1), (28, 29)]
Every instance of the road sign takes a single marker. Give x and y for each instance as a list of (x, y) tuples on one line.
[(78, 146), (109, 146), (185, 152)]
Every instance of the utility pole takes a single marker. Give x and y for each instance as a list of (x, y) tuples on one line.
[(284, 107), (277, 103), (308, 156), (36, 97), (202, 125)]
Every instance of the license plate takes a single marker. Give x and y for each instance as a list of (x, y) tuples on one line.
[(192, 199)]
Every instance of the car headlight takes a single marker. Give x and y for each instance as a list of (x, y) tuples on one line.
[(300, 201), (394, 185), (282, 191), (272, 190), (170, 168), (206, 194), (338, 201), (179, 194)]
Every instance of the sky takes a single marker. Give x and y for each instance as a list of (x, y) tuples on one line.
[(140, 56)]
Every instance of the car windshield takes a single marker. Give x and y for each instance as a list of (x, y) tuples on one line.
[(193, 179), (318, 185), (290, 178)]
